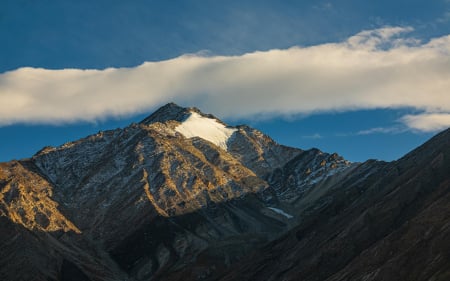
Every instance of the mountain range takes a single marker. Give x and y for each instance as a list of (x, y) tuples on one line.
[(183, 196)]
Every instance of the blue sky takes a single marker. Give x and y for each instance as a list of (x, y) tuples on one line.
[(366, 79)]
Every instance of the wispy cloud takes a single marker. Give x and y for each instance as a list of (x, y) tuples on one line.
[(445, 18), (315, 136), (382, 130), (379, 68), (324, 6), (427, 122)]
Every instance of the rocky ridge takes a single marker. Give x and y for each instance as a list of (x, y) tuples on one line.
[(119, 189), (382, 221), (183, 196)]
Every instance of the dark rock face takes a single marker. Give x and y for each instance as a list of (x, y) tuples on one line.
[(70, 272), (383, 221), (148, 203)]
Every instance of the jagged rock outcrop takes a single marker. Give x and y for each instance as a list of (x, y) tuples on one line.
[(25, 198)]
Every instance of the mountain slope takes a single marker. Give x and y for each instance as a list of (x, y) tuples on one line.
[(179, 196), (383, 221), (183, 196)]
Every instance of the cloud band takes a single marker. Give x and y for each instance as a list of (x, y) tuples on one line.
[(379, 68)]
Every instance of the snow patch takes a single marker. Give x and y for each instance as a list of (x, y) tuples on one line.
[(281, 212), (206, 128)]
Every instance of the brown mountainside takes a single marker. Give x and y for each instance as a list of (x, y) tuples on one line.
[(183, 196)]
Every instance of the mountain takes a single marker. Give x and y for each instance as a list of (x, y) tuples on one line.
[(183, 196), (383, 221)]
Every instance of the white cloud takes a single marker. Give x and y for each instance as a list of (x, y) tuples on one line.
[(373, 69), (428, 122)]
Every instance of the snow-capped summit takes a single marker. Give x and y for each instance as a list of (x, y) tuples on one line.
[(182, 196), (208, 129), (193, 123), (122, 187)]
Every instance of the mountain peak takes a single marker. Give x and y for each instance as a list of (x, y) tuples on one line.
[(170, 111), (194, 123)]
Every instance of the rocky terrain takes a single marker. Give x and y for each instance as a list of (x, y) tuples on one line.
[(383, 221), (183, 196)]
